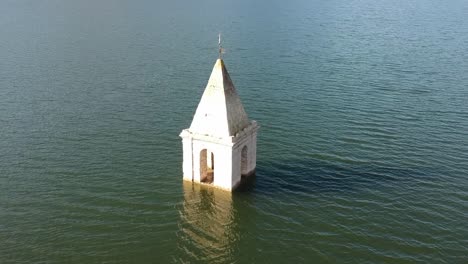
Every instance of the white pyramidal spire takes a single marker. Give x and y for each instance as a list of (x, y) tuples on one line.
[(220, 112), (220, 145)]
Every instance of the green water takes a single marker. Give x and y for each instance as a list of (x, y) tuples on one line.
[(362, 152)]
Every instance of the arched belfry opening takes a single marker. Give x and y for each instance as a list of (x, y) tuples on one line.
[(244, 160), (206, 166), (221, 136)]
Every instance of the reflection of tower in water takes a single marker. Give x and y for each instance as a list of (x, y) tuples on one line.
[(207, 226)]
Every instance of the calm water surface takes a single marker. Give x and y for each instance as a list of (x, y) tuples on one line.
[(362, 152)]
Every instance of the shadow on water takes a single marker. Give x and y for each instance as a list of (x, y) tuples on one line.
[(247, 184), (306, 176)]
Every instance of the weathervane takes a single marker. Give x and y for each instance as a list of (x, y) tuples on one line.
[(220, 48)]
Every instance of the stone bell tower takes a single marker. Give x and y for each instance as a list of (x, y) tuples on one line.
[(221, 144)]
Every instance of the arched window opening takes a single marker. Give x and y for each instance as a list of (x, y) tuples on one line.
[(244, 161), (206, 166)]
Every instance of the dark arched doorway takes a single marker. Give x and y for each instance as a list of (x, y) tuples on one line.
[(206, 166), (244, 161)]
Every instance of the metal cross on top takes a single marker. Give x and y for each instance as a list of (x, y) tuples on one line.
[(220, 48)]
